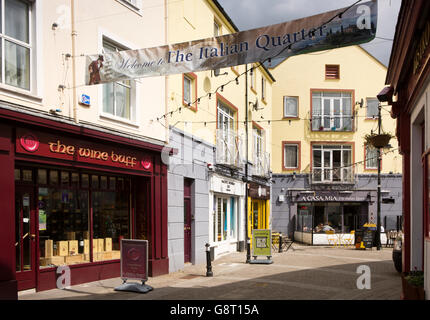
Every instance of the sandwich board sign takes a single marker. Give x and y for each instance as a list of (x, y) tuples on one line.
[(262, 245), (134, 265)]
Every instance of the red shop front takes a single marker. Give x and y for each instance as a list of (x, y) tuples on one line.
[(68, 195)]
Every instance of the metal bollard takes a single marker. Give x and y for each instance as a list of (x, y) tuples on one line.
[(209, 272), (248, 250), (280, 243)]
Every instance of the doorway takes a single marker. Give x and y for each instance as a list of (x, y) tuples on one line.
[(187, 220), (25, 238)]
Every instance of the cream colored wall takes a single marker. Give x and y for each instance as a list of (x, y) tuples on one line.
[(192, 20), (297, 75), (93, 20)]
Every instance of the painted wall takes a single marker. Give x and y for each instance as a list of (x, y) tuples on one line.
[(94, 20), (297, 75)]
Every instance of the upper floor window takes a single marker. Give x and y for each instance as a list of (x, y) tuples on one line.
[(225, 117), (291, 107), (16, 43), (190, 91), (258, 141), (332, 163), (372, 108), (332, 111), (118, 97), (217, 29), (227, 140), (263, 88), (371, 158), (291, 155), (332, 72)]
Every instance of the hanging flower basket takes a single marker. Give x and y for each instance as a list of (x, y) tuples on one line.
[(378, 140)]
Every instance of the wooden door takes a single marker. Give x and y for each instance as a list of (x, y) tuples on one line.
[(25, 238)]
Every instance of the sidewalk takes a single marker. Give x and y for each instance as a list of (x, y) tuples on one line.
[(302, 273)]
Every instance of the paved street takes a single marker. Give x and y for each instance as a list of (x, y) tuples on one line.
[(302, 273)]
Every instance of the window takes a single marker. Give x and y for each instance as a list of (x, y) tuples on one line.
[(291, 156), (253, 75), (263, 89), (332, 163), (227, 140), (190, 91), (291, 107), (332, 72), (16, 43), (372, 108), (371, 157), (65, 215), (118, 96), (332, 111), (258, 142), (217, 29), (224, 219)]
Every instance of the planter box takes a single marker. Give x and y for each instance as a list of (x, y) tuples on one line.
[(410, 292)]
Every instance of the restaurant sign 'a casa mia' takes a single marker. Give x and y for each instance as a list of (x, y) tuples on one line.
[(315, 198), (63, 148)]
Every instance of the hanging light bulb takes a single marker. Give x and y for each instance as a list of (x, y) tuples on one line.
[(222, 88), (270, 62), (237, 80), (210, 95)]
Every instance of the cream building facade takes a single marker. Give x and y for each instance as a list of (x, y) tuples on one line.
[(83, 163), (323, 170)]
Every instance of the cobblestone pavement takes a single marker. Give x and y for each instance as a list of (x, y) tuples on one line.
[(301, 273)]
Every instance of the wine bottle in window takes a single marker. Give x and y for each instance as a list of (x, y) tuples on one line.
[(81, 243)]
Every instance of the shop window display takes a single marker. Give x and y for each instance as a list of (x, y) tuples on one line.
[(64, 202)]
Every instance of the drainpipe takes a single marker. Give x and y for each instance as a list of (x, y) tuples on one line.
[(166, 78), (74, 35)]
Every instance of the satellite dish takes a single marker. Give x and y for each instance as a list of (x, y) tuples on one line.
[(256, 105), (216, 72)]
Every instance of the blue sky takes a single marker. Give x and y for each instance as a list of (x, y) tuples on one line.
[(250, 14)]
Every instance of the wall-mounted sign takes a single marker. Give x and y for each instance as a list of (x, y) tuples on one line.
[(85, 100), (64, 148)]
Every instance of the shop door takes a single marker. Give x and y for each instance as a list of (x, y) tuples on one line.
[(187, 230), (25, 238)]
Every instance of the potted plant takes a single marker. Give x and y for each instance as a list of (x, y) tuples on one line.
[(378, 140), (413, 285)]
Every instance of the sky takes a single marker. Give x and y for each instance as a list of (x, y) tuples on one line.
[(251, 14)]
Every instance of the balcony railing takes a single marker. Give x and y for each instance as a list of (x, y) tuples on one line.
[(343, 123), (261, 165), (345, 175), (228, 148)]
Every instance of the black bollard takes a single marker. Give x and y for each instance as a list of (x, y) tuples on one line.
[(209, 272), (280, 243)]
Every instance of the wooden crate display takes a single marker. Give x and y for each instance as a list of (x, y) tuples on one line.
[(100, 245), (62, 248), (108, 244), (54, 260), (73, 247), (49, 248), (78, 258), (86, 246)]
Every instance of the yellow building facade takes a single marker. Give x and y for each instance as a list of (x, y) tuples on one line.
[(218, 143), (324, 172)]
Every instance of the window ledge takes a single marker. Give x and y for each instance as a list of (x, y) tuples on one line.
[(129, 123), (22, 94), (132, 7)]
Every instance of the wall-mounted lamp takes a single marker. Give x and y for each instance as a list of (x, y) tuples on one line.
[(54, 26), (386, 95), (360, 103), (254, 105)]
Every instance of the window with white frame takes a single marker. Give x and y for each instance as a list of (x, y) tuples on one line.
[(263, 88), (371, 157), (332, 163), (224, 219), (291, 107), (188, 87), (16, 43), (291, 156), (118, 96), (258, 142), (372, 108), (332, 111)]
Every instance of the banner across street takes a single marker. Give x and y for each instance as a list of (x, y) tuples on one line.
[(334, 29)]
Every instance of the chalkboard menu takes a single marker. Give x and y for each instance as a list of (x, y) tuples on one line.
[(368, 238)]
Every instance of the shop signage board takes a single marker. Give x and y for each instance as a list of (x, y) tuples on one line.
[(65, 148), (134, 259), (338, 28), (261, 242), (134, 265)]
